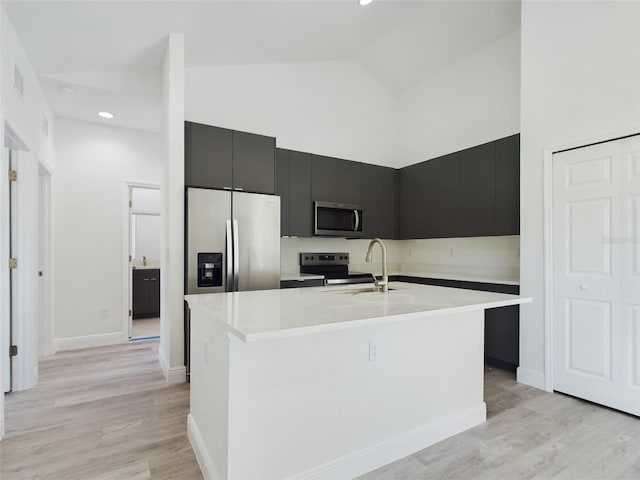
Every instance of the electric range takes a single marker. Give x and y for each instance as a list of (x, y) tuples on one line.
[(334, 267)]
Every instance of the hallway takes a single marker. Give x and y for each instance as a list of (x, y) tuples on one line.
[(101, 413)]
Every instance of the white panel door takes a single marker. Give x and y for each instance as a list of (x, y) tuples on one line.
[(596, 261)]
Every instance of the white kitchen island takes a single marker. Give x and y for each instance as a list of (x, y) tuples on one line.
[(329, 383)]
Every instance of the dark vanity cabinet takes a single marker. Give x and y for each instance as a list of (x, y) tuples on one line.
[(146, 293)]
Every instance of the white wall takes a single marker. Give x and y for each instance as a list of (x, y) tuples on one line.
[(172, 246), (337, 109), (148, 229), (580, 82), (474, 101), (24, 115), (93, 161)]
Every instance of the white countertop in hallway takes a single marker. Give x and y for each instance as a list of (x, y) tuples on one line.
[(267, 314)]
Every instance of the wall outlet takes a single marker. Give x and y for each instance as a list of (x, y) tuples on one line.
[(104, 312), (374, 350)]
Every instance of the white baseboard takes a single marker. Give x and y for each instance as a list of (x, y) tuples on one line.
[(531, 378), (202, 456), (73, 343), (173, 375), (362, 461), (368, 459)]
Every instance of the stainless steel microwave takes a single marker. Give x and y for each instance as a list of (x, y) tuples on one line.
[(338, 219)]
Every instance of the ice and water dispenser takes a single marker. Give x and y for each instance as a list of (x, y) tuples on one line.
[(209, 269)]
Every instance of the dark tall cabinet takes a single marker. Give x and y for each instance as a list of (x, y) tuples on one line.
[(293, 185), (283, 188)]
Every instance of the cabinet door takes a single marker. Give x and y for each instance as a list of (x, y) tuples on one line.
[(349, 182), (208, 156), (254, 162), (300, 203), (283, 188), (502, 334), (380, 201), (413, 204), (478, 191), (508, 186), (441, 191), (324, 178), (154, 293)]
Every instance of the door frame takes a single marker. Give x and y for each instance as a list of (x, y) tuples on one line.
[(549, 153), (45, 259), (127, 286)]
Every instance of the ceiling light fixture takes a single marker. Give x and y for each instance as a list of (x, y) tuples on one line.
[(68, 89), (106, 114), (364, 2)]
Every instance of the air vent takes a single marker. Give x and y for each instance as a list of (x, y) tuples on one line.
[(18, 81), (45, 126)]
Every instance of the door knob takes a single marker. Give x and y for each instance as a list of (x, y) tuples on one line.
[(583, 287)]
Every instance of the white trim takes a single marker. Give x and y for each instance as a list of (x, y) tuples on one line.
[(202, 456), (127, 186), (73, 343), (174, 375), (367, 459), (45, 259), (529, 376)]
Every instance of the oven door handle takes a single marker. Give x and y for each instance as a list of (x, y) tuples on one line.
[(356, 215)]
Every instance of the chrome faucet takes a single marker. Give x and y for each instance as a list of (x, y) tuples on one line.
[(144, 261), (383, 284)]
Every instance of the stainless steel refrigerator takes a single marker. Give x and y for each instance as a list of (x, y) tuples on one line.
[(232, 244)]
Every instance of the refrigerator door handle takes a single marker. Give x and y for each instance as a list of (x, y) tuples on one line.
[(236, 256), (229, 255)]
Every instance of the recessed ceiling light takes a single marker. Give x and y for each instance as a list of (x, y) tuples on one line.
[(364, 2), (68, 89), (105, 114)]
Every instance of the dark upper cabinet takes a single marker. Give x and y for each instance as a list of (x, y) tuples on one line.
[(208, 156), (413, 204), (508, 186), (324, 178), (300, 201), (253, 162), (441, 191), (380, 189), (349, 189), (478, 191), (283, 188)]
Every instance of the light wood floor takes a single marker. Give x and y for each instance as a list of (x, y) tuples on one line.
[(145, 327), (530, 434), (99, 414), (107, 414)]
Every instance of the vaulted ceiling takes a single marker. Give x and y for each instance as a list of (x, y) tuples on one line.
[(111, 51)]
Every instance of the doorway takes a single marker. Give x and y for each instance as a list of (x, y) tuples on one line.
[(596, 273), (143, 261)]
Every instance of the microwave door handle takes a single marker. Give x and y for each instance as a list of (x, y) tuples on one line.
[(229, 256), (357, 220)]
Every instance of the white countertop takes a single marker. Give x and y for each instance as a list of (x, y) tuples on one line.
[(267, 314)]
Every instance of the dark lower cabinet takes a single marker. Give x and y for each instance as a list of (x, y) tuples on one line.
[(146, 293), (501, 325)]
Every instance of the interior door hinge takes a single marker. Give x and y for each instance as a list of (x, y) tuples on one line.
[(13, 176), (130, 203), (129, 258), (40, 273), (13, 263), (13, 350), (130, 312)]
